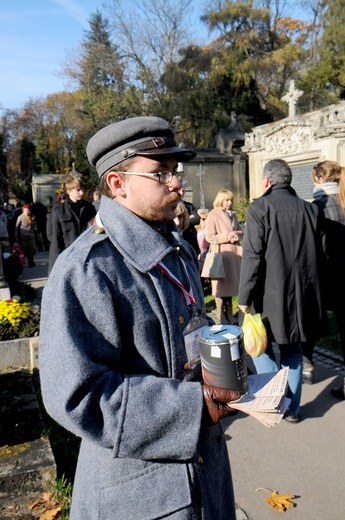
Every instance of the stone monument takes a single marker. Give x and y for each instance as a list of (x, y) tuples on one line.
[(291, 97), (221, 165), (302, 140)]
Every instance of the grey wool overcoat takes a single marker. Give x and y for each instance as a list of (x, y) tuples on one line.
[(112, 362)]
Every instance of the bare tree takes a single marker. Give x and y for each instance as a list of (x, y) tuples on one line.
[(148, 37)]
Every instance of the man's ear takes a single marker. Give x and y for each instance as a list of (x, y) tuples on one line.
[(117, 184), (265, 182)]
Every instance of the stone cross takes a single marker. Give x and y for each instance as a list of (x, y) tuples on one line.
[(291, 98)]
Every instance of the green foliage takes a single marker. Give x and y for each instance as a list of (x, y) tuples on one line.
[(332, 47), (241, 209), (258, 46), (210, 303), (22, 190), (62, 495), (27, 157)]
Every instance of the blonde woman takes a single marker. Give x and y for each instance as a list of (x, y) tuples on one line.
[(182, 217), (224, 230)]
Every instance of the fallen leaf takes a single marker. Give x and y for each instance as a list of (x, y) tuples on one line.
[(44, 500), (277, 501), (47, 497), (51, 514), (36, 503)]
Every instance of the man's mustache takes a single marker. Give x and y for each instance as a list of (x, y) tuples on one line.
[(173, 197)]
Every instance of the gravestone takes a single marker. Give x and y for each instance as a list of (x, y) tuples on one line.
[(221, 165)]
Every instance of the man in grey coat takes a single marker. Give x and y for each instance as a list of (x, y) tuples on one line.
[(120, 316), (280, 274)]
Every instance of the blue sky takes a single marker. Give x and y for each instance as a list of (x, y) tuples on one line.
[(35, 37)]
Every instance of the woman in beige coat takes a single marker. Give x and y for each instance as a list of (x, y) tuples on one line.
[(224, 230)]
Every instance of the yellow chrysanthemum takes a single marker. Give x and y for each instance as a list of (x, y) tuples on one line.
[(13, 312)]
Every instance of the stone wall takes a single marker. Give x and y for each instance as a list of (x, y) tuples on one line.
[(211, 171)]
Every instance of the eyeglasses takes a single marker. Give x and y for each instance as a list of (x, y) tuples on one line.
[(163, 177)]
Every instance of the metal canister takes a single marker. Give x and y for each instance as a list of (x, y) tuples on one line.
[(223, 357)]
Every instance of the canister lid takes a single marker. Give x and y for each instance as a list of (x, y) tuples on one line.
[(221, 333)]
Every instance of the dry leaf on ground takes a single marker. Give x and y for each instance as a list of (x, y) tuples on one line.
[(51, 514), (278, 502), (46, 506)]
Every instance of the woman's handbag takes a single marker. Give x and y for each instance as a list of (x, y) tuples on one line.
[(213, 265)]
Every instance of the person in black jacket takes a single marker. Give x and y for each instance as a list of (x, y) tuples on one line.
[(69, 219), (190, 234), (281, 260)]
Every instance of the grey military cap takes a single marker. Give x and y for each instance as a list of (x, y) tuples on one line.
[(144, 135)]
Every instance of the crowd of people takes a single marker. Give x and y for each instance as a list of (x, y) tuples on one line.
[(35, 226), (287, 266), (120, 368)]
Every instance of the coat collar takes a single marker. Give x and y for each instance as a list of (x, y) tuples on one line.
[(279, 186), (139, 243)]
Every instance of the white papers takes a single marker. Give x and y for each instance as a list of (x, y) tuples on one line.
[(266, 398)]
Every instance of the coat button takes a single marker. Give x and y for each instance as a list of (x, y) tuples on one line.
[(200, 460), (181, 320)]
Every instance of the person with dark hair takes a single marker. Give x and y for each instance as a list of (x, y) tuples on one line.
[(69, 219), (40, 212), (280, 274), (119, 359), (3, 225)]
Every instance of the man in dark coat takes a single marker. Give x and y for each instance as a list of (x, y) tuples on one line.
[(117, 329), (190, 234), (68, 220), (40, 212), (280, 274)]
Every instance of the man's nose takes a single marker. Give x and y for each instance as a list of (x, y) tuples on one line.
[(175, 185)]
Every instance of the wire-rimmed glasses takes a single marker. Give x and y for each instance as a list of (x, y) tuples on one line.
[(163, 177)]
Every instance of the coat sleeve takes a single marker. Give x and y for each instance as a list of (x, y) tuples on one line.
[(137, 415), (18, 224), (238, 227), (253, 257), (49, 227)]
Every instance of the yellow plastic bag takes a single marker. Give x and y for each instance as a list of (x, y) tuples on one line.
[(254, 335)]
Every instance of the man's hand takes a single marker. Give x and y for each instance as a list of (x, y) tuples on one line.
[(244, 308), (217, 403)]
